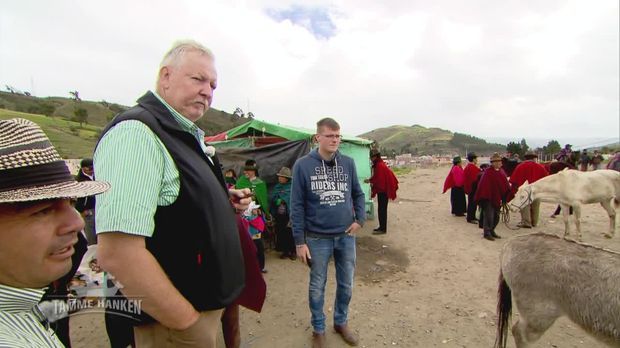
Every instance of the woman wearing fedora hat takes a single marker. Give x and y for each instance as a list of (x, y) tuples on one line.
[(280, 209), (251, 180)]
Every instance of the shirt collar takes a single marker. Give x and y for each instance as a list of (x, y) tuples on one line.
[(185, 123), (15, 300)]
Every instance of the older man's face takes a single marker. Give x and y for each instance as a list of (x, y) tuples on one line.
[(188, 87), (36, 241)]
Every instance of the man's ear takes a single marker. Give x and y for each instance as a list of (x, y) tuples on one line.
[(164, 77)]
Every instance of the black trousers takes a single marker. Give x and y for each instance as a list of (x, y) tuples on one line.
[(490, 217), (260, 252), (382, 200), (457, 199), (119, 328), (471, 206)]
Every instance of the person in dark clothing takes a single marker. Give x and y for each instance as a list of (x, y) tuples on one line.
[(280, 210), (470, 173), (384, 185), (86, 205)]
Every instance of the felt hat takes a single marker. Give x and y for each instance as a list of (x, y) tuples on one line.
[(530, 154), (284, 172), (31, 169)]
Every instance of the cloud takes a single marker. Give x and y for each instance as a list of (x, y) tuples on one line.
[(316, 20), (485, 68)]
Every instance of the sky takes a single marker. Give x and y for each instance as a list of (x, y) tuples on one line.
[(507, 69)]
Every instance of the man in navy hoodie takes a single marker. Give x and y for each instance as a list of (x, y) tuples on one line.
[(327, 209)]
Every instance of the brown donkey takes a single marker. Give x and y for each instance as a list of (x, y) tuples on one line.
[(551, 277)]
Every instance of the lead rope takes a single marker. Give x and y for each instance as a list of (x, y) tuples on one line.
[(505, 217)]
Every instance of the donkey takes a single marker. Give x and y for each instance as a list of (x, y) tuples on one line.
[(573, 188), (551, 277)]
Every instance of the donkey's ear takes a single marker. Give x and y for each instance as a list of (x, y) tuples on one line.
[(526, 183)]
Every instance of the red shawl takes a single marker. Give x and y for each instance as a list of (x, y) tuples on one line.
[(255, 291), (383, 180), (455, 178), (493, 186), (527, 170), (471, 174)]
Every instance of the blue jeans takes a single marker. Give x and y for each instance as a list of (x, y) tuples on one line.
[(321, 250)]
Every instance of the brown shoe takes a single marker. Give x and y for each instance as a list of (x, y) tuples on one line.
[(318, 340), (347, 334)]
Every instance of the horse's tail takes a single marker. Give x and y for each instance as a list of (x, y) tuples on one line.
[(504, 308)]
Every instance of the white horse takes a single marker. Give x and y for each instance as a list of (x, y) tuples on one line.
[(571, 188), (550, 277)]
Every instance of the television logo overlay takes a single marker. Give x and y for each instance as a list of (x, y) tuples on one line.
[(90, 291)]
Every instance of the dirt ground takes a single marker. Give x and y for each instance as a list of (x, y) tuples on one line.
[(431, 281)]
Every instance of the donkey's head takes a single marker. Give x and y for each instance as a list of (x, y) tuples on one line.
[(523, 197)]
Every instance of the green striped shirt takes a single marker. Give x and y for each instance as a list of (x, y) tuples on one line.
[(142, 174), (19, 327)]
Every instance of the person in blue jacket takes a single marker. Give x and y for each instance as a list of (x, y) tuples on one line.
[(327, 209)]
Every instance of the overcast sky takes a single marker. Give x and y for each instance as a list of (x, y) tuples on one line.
[(511, 68)]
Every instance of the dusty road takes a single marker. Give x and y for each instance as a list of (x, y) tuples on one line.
[(430, 282)]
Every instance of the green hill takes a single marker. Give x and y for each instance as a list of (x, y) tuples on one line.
[(74, 141), (419, 140), (100, 113), (71, 140)]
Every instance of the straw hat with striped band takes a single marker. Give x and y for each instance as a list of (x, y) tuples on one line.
[(31, 169)]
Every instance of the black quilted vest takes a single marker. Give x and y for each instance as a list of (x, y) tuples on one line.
[(195, 239)]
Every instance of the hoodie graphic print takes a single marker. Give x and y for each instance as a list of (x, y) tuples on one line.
[(326, 196)]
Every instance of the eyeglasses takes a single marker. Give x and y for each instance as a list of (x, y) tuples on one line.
[(332, 136)]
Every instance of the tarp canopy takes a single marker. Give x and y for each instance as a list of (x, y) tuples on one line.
[(257, 128), (248, 140)]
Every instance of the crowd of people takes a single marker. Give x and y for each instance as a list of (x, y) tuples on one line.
[(479, 192)]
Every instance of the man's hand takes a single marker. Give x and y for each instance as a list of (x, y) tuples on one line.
[(240, 199), (353, 228), (303, 254)]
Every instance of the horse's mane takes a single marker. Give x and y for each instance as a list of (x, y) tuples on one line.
[(570, 240)]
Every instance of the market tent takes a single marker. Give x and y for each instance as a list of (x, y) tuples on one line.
[(273, 146)]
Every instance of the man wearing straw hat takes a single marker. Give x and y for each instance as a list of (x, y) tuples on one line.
[(38, 228), (167, 231)]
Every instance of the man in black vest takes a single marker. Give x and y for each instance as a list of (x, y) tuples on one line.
[(168, 232)]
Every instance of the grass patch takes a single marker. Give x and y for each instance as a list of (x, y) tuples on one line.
[(400, 171), (71, 140)]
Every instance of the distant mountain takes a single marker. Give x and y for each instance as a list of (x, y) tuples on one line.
[(100, 113), (419, 140), (578, 143)]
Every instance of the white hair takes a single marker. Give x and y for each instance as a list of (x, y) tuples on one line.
[(179, 48)]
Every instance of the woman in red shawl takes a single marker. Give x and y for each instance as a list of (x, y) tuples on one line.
[(384, 185), (490, 193), (455, 181)]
